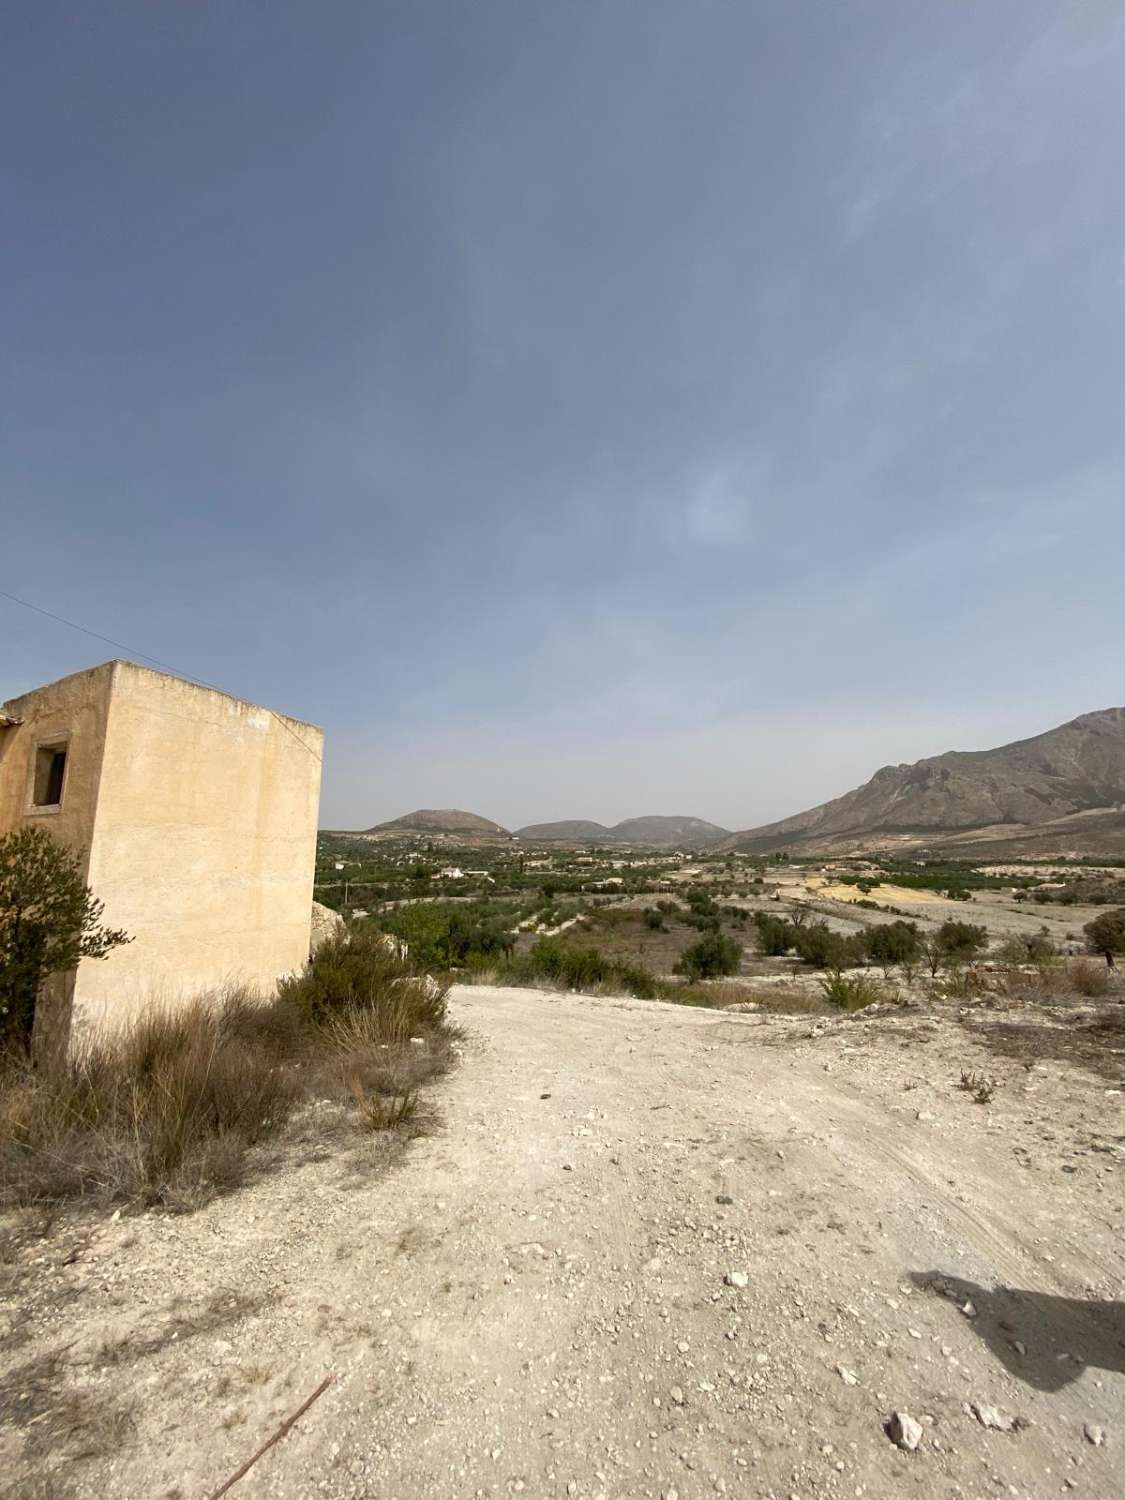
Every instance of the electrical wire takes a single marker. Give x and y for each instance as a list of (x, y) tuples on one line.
[(163, 665)]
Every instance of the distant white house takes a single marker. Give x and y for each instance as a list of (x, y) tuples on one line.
[(452, 872)]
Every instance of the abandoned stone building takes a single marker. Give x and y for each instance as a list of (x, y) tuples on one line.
[(193, 815)]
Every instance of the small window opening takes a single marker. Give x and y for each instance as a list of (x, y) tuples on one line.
[(50, 768)]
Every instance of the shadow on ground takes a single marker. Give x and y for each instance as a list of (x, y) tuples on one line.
[(1060, 1336)]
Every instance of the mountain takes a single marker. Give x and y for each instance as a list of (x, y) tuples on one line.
[(568, 831), (1061, 790), (663, 833), (441, 820), (651, 832)]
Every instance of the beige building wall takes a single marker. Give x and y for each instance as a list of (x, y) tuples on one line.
[(71, 713), (198, 813)]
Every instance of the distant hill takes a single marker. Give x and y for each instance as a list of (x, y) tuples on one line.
[(650, 832), (569, 831), (441, 820), (1062, 791), (681, 833)]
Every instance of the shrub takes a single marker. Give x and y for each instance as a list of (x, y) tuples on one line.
[(965, 984), (850, 991), (167, 1110), (1089, 979), (775, 936), (953, 944), (979, 1085), (636, 980), (715, 956), (360, 971), (816, 944), (164, 1112), (49, 922), (1035, 949)]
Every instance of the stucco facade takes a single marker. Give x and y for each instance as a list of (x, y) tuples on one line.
[(193, 815)]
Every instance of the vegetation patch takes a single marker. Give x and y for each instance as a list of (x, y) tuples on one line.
[(850, 991), (168, 1110)]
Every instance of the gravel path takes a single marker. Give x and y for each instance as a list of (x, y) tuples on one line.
[(648, 1252)]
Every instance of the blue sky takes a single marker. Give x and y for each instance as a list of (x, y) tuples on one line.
[(579, 410)]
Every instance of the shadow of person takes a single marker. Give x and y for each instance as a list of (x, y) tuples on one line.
[(1043, 1340)]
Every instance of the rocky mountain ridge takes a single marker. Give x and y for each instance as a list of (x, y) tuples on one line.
[(1066, 784)]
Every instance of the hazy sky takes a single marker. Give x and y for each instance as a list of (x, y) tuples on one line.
[(578, 409)]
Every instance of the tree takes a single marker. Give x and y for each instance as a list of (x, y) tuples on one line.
[(49, 921), (818, 945), (775, 936), (893, 943), (1106, 934), (713, 957), (954, 943)]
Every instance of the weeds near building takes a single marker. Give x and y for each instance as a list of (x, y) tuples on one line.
[(169, 1109)]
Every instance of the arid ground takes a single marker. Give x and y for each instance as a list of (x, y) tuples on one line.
[(645, 1251)]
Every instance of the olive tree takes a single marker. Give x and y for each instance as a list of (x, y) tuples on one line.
[(1106, 934), (49, 921), (893, 943)]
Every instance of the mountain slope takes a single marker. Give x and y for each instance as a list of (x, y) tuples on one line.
[(568, 830), (652, 832), (1077, 768), (684, 833), (440, 820)]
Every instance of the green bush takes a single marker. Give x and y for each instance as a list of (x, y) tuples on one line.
[(893, 943), (775, 935), (816, 944), (715, 956), (443, 935), (361, 971), (49, 922), (961, 942), (850, 991)]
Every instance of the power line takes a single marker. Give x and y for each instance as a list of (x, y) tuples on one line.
[(163, 665)]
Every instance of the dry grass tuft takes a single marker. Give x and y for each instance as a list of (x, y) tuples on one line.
[(1088, 978), (169, 1110), (979, 1085)]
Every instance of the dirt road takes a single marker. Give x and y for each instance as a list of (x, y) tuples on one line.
[(538, 1301)]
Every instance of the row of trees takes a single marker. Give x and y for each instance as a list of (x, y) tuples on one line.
[(890, 944)]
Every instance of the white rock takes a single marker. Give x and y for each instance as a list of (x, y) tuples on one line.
[(904, 1431), (737, 1278), (1094, 1434), (988, 1416), (849, 1377)]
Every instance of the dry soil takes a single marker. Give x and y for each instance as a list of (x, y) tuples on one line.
[(647, 1251)]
